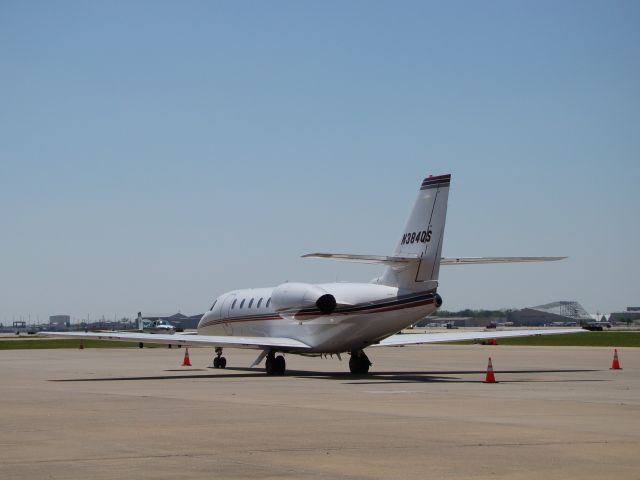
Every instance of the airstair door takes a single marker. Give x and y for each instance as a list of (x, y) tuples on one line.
[(226, 313)]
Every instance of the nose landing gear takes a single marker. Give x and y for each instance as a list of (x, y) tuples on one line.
[(219, 361)]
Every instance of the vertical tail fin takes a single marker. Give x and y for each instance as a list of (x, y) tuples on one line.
[(422, 238)]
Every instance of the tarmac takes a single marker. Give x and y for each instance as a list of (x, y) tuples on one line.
[(423, 412)]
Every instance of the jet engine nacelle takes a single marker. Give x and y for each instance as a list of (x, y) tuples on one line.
[(302, 300)]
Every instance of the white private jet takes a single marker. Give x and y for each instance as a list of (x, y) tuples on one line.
[(336, 318)]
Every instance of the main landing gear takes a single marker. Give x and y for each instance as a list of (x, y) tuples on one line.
[(219, 361), (359, 363), (275, 365)]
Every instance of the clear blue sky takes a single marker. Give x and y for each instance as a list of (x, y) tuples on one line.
[(154, 155)]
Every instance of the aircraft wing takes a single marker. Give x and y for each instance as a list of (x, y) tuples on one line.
[(399, 340), (188, 340)]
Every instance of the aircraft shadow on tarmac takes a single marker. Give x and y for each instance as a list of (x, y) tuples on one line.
[(451, 376)]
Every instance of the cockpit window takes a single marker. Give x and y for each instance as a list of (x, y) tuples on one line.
[(233, 305), (242, 303), (250, 303), (259, 303), (214, 304), (268, 302)]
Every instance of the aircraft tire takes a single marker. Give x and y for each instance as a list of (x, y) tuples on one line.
[(359, 363), (364, 366), (353, 365), (269, 366), (280, 365), (216, 362), (222, 362)]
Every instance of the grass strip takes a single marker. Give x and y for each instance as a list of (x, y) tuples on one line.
[(48, 343), (586, 339)]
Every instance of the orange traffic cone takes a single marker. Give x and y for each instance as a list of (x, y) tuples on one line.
[(490, 378), (186, 362), (615, 365)]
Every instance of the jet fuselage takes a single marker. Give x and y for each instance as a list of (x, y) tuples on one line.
[(365, 313)]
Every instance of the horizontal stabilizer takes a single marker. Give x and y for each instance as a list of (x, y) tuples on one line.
[(484, 260), (363, 258), (399, 340), (403, 260)]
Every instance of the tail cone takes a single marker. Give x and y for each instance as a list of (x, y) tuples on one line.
[(615, 365), (186, 362), (490, 378)]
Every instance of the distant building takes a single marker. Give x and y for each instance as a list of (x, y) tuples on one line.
[(560, 313), (60, 321), (632, 314)]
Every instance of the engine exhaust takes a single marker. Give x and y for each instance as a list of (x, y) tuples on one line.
[(326, 304), (438, 300)]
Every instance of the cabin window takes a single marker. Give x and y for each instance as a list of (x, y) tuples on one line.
[(268, 302), (214, 304), (259, 303), (233, 305), (242, 303), (250, 303)]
